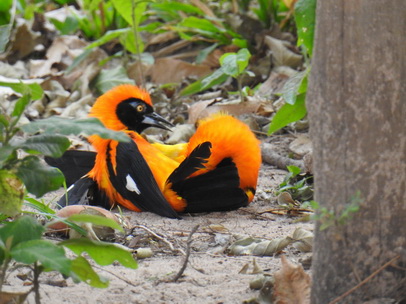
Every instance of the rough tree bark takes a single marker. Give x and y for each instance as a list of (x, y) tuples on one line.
[(357, 110)]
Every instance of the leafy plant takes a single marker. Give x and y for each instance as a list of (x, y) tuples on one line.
[(21, 239), (232, 64), (294, 91), (328, 218), (299, 186)]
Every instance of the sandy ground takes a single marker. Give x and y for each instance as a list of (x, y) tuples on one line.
[(212, 276)]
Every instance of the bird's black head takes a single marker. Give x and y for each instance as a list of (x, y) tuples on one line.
[(137, 115)]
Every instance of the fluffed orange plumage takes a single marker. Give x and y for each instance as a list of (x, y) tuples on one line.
[(221, 159)]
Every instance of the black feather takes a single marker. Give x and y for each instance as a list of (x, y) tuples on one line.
[(130, 162), (74, 164), (216, 190), (192, 163), (85, 192)]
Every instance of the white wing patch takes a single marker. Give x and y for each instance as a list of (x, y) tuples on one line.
[(131, 185)]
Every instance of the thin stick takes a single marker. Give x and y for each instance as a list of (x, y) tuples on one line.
[(188, 242), (117, 276), (159, 237), (348, 292)]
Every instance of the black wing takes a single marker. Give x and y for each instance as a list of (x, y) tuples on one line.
[(74, 164), (216, 190), (85, 192), (135, 181)]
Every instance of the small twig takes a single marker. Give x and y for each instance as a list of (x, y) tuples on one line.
[(185, 262), (117, 276), (159, 237), (366, 280)]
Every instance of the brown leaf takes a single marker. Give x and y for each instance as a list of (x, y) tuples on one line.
[(259, 247), (169, 70), (301, 145), (24, 41), (281, 54), (13, 297), (292, 284)]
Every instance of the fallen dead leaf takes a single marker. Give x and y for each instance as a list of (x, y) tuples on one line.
[(169, 70), (301, 145), (292, 284), (281, 54)]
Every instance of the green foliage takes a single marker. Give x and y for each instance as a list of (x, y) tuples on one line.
[(294, 95), (21, 241), (305, 16), (328, 218), (232, 64), (300, 186), (108, 79)]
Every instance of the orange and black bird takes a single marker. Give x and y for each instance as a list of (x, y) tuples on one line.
[(216, 170)]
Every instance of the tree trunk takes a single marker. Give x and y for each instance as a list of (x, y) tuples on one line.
[(357, 109)]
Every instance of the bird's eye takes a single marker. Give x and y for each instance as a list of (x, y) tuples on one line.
[(140, 108)]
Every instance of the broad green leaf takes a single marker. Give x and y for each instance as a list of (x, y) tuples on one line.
[(294, 170), (96, 220), (217, 77), (108, 79), (34, 89), (46, 144), (66, 27), (21, 230), (234, 64), (293, 87), (305, 17), (48, 254), (125, 9), (5, 153), (102, 253), (288, 114), (20, 105), (81, 269), (37, 177), (128, 41), (5, 31), (65, 126)]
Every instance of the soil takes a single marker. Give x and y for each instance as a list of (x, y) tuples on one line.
[(211, 276)]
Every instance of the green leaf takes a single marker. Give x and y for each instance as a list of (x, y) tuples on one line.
[(288, 114), (108, 79), (234, 64), (102, 253), (5, 31), (82, 269), (37, 205), (294, 170), (96, 220), (46, 144), (125, 9), (37, 177), (305, 16), (108, 36), (20, 105), (217, 77), (34, 89), (294, 86), (21, 230), (65, 126), (66, 27), (48, 254)]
